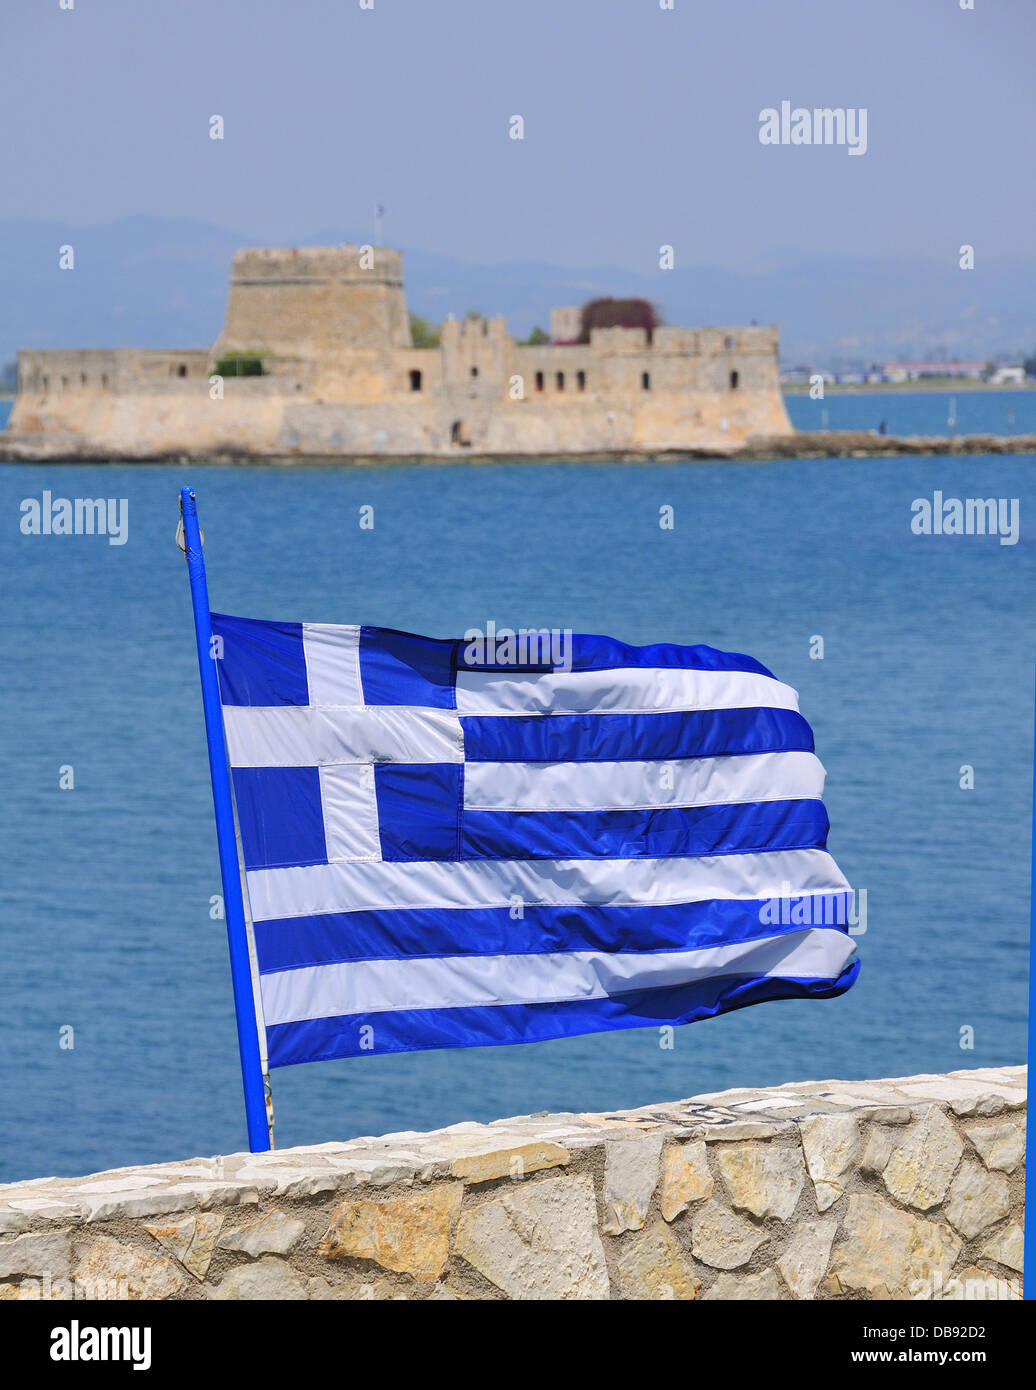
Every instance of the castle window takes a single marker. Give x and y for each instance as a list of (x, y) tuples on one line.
[(474, 371), (104, 381), (64, 383), (181, 370), (539, 381), (734, 380), (460, 433), (560, 380), (581, 381), (645, 381), (82, 378), (415, 380)]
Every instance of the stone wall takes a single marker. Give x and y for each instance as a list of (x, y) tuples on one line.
[(905, 1189)]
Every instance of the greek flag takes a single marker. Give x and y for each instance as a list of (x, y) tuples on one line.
[(461, 843)]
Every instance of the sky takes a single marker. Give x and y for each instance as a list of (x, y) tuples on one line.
[(641, 125)]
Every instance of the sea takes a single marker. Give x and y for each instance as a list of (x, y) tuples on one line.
[(117, 1040)]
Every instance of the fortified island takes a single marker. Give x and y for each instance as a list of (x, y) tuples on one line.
[(322, 340)]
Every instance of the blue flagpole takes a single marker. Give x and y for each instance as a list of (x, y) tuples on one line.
[(233, 902), (1029, 1252)]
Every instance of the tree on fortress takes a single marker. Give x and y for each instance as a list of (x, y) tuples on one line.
[(618, 313), (424, 334), (536, 338)]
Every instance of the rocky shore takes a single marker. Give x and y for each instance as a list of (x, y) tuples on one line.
[(834, 444)]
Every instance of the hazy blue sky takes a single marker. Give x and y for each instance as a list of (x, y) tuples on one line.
[(641, 125)]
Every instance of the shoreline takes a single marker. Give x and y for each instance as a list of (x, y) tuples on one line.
[(806, 444)]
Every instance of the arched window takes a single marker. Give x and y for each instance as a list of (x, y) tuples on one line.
[(474, 371), (539, 381), (460, 433), (415, 380), (559, 379), (181, 369), (645, 381), (734, 380), (581, 381)]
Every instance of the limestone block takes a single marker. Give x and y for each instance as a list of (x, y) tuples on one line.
[(739, 1287), (978, 1199), (36, 1255), (765, 1179), (878, 1150), (268, 1278), (272, 1234), (410, 1235), (192, 1240), (806, 1257), (922, 1164), (538, 1240), (630, 1178), (999, 1146), (723, 1240), (1006, 1247), (887, 1253), (111, 1270), (651, 1265), (830, 1144), (509, 1161), (685, 1178)]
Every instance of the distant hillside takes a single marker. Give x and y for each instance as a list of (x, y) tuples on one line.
[(154, 282)]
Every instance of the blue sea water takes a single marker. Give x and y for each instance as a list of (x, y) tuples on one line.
[(105, 892), (918, 412)]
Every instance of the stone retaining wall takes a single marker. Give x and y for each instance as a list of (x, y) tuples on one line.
[(910, 1188)]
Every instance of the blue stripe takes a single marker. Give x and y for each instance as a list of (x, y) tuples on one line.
[(414, 1030), (651, 834), (568, 738), (261, 663), (419, 809), (399, 668), (591, 653), (429, 932), (280, 816)]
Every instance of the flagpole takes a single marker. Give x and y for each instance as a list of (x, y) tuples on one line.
[(233, 901), (1029, 1251)]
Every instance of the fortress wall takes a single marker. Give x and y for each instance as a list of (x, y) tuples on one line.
[(906, 1189), (141, 425)]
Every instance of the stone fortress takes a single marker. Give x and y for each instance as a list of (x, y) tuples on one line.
[(340, 378)]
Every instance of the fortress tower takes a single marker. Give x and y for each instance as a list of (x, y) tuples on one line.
[(311, 301)]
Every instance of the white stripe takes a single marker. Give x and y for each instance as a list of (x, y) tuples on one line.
[(332, 663), (627, 690), (374, 986), (631, 785), (350, 809), (299, 736), (302, 892)]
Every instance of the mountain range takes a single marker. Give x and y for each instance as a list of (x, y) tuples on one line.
[(162, 282)]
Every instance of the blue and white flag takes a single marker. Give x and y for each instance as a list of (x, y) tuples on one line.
[(460, 843)]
